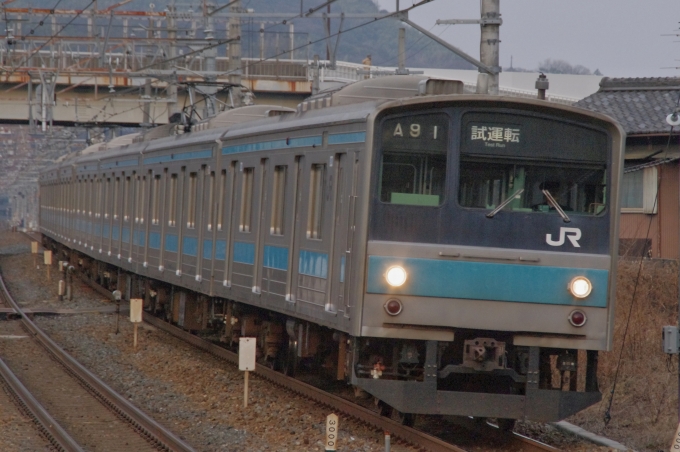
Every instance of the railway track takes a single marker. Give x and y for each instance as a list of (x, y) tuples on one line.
[(398, 432), (513, 442), (76, 410)]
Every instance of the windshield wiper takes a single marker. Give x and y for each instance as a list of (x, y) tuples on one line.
[(557, 207), (504, 203)]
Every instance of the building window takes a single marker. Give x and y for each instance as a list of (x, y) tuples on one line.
[(278, 200), (638, 191)]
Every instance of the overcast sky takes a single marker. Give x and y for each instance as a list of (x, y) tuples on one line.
[(621, 38)]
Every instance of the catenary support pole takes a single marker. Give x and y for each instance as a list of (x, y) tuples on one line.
[(488, 47)]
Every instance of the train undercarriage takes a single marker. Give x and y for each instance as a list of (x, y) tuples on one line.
[(480, 374)]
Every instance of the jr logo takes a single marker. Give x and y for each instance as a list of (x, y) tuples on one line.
[(573, 234)]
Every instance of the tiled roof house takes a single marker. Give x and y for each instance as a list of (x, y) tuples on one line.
[(641, 105)]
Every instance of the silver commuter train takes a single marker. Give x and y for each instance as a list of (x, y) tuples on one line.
[(445, 253)]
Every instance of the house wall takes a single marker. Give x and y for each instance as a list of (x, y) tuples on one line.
[(660, 239)]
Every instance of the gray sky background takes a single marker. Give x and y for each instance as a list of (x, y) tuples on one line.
[(621, 38)]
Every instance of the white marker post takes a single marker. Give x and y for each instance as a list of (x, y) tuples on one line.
[(135, 315), (246, 362), (331, 432), (34, 250), (675, 447), (48, 263)]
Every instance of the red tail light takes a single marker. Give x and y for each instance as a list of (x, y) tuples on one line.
[(393, 306), (577, 318)]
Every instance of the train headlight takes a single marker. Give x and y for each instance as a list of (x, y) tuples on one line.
[(396, 276), (580, 287)]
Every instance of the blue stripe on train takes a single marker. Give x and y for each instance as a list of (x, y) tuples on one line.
[(190, 246), (207, 249), (486, 281), (272, 145), (344, 138), (275, 257), (244, 253), (155, 240), (313, 263), (171, 243)]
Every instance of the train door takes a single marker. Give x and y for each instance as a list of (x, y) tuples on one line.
[(226, 182), (245, 219), (208, 228), (173, 219), (313, 235), (191, 224), (342, 230), (127, 225), (350, 229), (276, 231), (156, 223)]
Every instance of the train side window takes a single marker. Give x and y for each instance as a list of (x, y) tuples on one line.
[(91, 192), (247, 200), (191, 201), (126, 199), (278, 200), (97, 202), (315, 210), (79, 190), (155, 199), (141, 190), (116, 205), (172, 201), (211, 200), (222, 199), (107, 194)]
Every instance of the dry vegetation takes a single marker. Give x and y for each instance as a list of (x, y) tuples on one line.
[(644, 414)]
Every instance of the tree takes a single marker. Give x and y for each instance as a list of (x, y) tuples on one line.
[(562, 67)]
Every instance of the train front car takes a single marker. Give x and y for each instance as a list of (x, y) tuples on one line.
[(490, 257)]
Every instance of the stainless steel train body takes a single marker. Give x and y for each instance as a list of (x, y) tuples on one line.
[(435, 250)]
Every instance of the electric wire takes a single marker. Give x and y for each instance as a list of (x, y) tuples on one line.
[(52, 37), (167, 60), (216, 44), (607, 414)]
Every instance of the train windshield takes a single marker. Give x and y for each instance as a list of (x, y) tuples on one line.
[(528, 164), (413, 165)]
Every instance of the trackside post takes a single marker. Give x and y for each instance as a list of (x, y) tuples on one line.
[(331, 432), (135, 316), (246, 362)]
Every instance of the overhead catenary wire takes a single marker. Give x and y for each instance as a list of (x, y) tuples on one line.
[(169, 80), (51, 38)]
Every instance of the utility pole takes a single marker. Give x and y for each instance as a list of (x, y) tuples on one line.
[(235, 70), (402, 50), (488, 47), (172, 53), (488, 63)]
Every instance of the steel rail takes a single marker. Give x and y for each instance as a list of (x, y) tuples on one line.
[(402, 432), (406, 434), (54, 432), (140, 420)]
